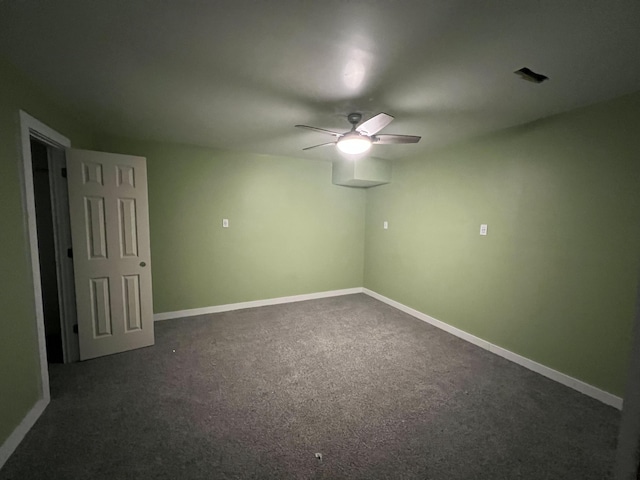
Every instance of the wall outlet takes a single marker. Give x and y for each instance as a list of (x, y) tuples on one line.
[(483, 229), (225, 223), (385, 225)]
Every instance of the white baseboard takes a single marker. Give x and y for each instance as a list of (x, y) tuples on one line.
[(11, 443), (580, 386), (254, 303)]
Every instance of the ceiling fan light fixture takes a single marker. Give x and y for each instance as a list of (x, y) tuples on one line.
[(354, 143)]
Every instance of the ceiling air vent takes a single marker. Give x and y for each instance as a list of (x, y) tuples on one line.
[(530, 75)]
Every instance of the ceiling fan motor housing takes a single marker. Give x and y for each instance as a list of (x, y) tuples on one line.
[(354, 118)]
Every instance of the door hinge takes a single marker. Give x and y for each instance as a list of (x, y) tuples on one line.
[(70, 252), (75, 328), (64, 173)]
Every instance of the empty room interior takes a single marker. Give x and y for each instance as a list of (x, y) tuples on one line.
[(319, 240)]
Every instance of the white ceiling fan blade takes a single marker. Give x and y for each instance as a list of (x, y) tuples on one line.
[(321, 145), (388, 139), (321, 130), (375, 124)]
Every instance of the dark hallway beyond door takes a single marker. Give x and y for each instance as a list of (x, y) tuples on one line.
[(46, 251)]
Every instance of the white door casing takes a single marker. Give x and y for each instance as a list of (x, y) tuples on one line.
[(112, 262)]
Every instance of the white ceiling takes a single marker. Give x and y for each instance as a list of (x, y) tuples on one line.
[(240, 74)]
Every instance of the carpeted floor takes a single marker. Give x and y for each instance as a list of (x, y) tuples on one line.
[(255, 394)]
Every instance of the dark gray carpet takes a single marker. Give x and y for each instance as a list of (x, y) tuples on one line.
[(257, 393)]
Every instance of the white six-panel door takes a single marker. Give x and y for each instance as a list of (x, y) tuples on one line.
[(112, 263)]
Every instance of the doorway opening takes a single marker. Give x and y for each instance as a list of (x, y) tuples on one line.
[(47, 251), (50, 234)]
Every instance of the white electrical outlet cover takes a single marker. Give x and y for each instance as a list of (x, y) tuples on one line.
[(225, 222), (385, 225), (483, 229)]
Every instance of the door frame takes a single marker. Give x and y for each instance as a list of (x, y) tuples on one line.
[(57, 164), (31, 127)]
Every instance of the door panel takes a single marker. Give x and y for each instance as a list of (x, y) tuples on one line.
[(128, 227), (96, 227), (112, 262)]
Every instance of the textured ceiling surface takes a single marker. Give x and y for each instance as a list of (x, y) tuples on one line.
[(240, 74)]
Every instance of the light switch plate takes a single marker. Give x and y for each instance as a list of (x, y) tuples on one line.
[(385, 225), (483, 229), (225, 223)]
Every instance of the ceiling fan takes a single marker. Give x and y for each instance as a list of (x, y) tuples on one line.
[(360, 138)]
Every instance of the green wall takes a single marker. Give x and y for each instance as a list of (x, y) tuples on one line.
[(19, 366), (291, 231), (554, 280)]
